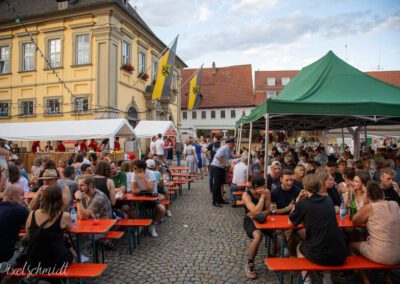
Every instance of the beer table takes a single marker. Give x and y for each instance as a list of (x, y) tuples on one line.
[(91, 227), (244, 184), (131, 197)]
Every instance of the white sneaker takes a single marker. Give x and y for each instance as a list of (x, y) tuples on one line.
[(326, 279), (152, 230), (169, 213), (84, 258)]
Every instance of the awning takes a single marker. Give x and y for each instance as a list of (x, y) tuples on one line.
[(66, 130), (150, 128), (215, 127)]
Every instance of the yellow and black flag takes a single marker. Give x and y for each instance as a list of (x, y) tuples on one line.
[(164, 73), (194, 90)]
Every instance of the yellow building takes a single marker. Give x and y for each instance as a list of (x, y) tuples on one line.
[(92, 45)]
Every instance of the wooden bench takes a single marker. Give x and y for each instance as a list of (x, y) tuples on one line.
[(73, 271), (239, 203), (237, 193), (111, 235), (165, 202), (136, 224), (302, 264)]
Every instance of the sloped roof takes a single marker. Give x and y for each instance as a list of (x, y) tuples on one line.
[(391, 77), (222, 87), (31, 9), (330, 93)]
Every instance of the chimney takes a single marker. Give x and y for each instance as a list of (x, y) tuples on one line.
[(214, 69)]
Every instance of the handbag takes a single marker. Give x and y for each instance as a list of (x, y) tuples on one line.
[(28, 242), (261, 217)]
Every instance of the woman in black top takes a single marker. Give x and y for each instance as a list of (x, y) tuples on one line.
[(256, 200), (328, 188), (324, 243), (103, 182), (46, 230)]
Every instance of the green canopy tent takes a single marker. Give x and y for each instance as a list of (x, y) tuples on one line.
[(326, 94)]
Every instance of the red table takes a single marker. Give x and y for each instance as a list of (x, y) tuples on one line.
[(138, 198), (88, 227), (178, 168)]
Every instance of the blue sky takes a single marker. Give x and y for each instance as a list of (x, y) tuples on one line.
[(278, 34)]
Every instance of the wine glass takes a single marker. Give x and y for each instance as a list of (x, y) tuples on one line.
[(273, 209)]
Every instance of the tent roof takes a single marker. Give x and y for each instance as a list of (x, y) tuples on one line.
[(330, 93), (65, 130), (149, 128)]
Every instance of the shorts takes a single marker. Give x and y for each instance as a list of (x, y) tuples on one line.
[(151, 204)]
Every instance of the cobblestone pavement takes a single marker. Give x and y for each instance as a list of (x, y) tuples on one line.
[(198, 244)]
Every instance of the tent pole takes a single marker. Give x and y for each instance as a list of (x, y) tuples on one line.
[(248, 155), (266, 156), (324, 139), (342, 140), (240, 139), (366, 139)]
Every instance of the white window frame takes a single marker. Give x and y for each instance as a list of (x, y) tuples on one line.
[(22, 106), (154, 68), (141, 61), (233, 111), (205, 114), (79, 104), (184, 115), (224, 114), (194, 114), (271, 81), (213, 114), (7, 111), (5, 52), (271, 94), (285, 81), (53, 105), (28, 61), (55, 58), (126, 52), (82, 59)]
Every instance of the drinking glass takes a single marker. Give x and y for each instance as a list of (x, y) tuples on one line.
[(273, 210)]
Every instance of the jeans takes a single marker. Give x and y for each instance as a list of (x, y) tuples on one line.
[(178, 158), (233, 188)]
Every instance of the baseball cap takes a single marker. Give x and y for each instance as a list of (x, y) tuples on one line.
[(275, 163), (257, 181), (150, 164)]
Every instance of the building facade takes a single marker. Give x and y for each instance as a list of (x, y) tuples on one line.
[(103, 51), (227, 94)]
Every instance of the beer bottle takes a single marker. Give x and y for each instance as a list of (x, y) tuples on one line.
[(353, 206)]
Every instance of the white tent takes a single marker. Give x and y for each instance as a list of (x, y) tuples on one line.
[(150, 128), (66, 130)]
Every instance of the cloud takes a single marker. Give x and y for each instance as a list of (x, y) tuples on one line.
[(246, 6), (164, 13)]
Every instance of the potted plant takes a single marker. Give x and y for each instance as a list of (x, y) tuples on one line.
[(144, 76), (128, 67)]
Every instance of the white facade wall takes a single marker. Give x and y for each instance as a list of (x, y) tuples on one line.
[(189, 124)]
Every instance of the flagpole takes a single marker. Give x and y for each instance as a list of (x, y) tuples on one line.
[(191, 76)]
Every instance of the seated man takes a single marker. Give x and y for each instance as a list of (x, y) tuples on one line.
[(388, 185), (13, 215), (257, 200), (285, 194), (273, 177), (119, 177), (69, 181), (144, 180)]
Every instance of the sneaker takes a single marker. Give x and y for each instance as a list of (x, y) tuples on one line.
[(249, 269), (169, 213), (152, 231), (84, 258)]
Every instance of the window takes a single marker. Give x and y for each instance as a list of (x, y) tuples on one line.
[(271, 94), (213, 114), (194, 114), (5, 57), (203, 114), (53, 106), (142, 62), (4, 109), (126, 53), (184, 115), (222, 114), (233, 113), (285, 81), (81, 104), (28, 56), (54, 50), (154, 69), (26, 108), (271, 81), (82, 49)]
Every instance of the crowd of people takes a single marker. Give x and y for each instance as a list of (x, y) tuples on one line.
[(312, 187), (90, 186)]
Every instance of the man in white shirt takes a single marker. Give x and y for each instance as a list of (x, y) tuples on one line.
[(160, 148), (239, 175)]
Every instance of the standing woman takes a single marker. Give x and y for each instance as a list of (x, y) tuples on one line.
[(46, 228), (204, 159), (169, 149), (190, 157), (198, 148)]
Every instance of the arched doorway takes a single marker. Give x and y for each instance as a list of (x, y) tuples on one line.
[(132, 116)]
